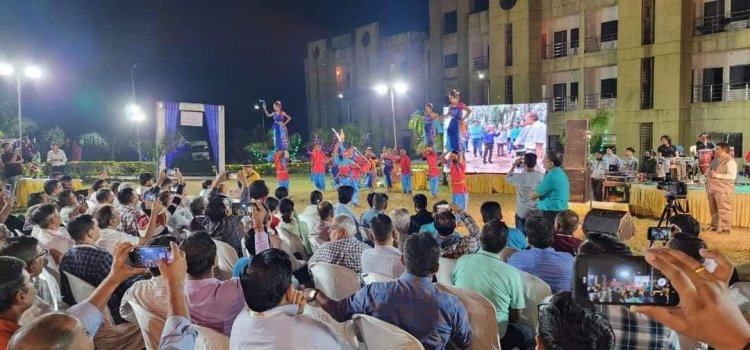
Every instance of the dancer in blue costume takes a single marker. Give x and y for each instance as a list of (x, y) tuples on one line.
[(430, 117), (455, 112), (280, 120)]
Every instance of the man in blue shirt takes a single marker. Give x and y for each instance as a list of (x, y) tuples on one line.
[(553, 193), (488, 138), (475, 133), (554, 268), (413, 302), (491, 211)]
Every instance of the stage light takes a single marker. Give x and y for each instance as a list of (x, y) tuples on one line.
[(480, 75), (33, 72), (256, 107), (6, 69), (133, 108), (341, 95), (400, 87), (135, 113), (381, 89)]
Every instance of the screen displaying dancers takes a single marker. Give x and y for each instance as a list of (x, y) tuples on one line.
[(491, 137)]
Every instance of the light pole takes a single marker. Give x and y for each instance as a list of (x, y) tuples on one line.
[(263, 118), (31, 72), (482, 76), (136, 115), (392, 89)]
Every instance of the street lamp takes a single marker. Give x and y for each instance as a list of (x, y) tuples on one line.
[(481, 76), (135, 114), (31, 72), (398, 87)]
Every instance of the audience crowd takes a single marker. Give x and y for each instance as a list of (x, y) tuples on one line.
[(242, 272)]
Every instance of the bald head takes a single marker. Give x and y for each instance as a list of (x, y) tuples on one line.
[(52, 331)]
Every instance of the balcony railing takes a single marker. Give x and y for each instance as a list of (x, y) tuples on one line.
[(560, 50), (721, 92), (599, 101), (599, 43), (561, 104), (722, 23), (481, 63)]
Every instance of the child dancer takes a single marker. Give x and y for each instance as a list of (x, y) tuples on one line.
[(372, 171), (433, 171), (405, 164), (280, 120), (455, 113), (429, 124), (387, 161), (458, 179), (282, 169), (318, 160)]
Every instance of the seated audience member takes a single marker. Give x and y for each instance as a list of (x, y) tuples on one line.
[(343, 249), (66, 182), (453, 245), (76, 328), (129, 213), (321, 230), (151, 294), (4, 233), (69, 205), (630, 328), (198, 209), (7, 202), (412, 303), (565, 323), (566, 223), (291, 227), (223, 225), (379, 205), (345, 194), (554, 268), (205, 189), (685, 223), (212, 303), (52, 188), (50, 234), (273, 209), (115, 188), (281, 193), (435, 210), (275, 319), (384, 259), (258, 190), (102, 196), (27, 249), (486, 273), (310, 213), (17, 294), (491, 211), (89, 263), (108, 220), (689, 244), (422, 216), (147, 181), (401, 220), (96, 186)]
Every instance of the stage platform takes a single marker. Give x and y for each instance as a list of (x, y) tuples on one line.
[(647, 200)]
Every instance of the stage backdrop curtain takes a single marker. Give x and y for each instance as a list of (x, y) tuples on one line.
[(172, 115), (212, 121)]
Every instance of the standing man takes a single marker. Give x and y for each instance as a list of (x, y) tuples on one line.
[(475, 132), (535, 137), (703, 142), (501, 140), (13, 163), (599, 168), (525, 183), (720, 179), (56, 157), (553, 192), (489, 144)]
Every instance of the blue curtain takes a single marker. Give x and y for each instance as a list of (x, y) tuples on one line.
[(172, 116), (212, 121)]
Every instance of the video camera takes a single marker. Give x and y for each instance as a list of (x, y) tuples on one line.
[(673, 189)]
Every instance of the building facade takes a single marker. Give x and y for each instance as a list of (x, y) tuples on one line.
[(341, 73), (664, 67)]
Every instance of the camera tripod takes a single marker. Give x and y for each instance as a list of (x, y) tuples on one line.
[(671, 208)]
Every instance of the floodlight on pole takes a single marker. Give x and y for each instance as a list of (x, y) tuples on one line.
[(381, 89), (6, 69), (30, 72), (33, 72), (398, 87), (340, 96)]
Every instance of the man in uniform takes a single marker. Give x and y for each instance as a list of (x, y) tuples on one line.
[(720, 179)]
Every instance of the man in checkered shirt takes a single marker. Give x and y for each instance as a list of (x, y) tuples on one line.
[(128, 200), (343, 249)]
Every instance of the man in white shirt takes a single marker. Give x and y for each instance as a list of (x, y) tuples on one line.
[(108, 219), (534, 135), (612, 159), (273, 319), (56, 158), (599, 170), (384, 259), (50, 234)]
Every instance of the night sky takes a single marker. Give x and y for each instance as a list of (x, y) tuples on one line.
[(219, 52)]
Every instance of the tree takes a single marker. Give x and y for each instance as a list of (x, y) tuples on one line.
[(598, 127), (156, 150), (56, 135), (416, 125)]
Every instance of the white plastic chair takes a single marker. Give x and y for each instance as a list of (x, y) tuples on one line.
[(151, 325), (209, 339), (82, 290), (446, 271), (337, 282), (245, 252), (377, 334), (292, 240), (534, 291), (375, 277), (226, 258), (345, 330), (482, 317)]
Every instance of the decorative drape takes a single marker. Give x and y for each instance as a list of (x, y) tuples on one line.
[(212, 121), (172, 110)]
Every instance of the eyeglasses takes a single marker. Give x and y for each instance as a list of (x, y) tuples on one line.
[(541, 307), (43, 253)]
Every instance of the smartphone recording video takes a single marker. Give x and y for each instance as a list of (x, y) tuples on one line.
[(622, 280), (241, 209), (172, 172), (232, 176), (443, 207), (8, 189), (150, 256), (149, 196), (659, 233)]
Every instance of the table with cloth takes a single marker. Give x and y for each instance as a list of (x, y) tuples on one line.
[(647, 200), (26, 186), (418, 180)]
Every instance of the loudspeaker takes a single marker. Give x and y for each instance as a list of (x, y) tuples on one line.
[(614, 222), (580, 183), (576, 143)]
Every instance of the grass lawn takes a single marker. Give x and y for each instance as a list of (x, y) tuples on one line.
[(736, 245)]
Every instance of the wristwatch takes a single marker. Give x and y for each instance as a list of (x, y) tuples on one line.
[(312, 295)]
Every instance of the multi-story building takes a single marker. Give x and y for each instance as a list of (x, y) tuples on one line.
[(675, 67), (341, 74)]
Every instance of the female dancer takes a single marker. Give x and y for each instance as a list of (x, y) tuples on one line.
[(387, 161), (429, 124), (280, 120), (455, 113)]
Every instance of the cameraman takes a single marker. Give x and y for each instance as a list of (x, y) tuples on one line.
[(525, 183), (720, 179), (13, 162)]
